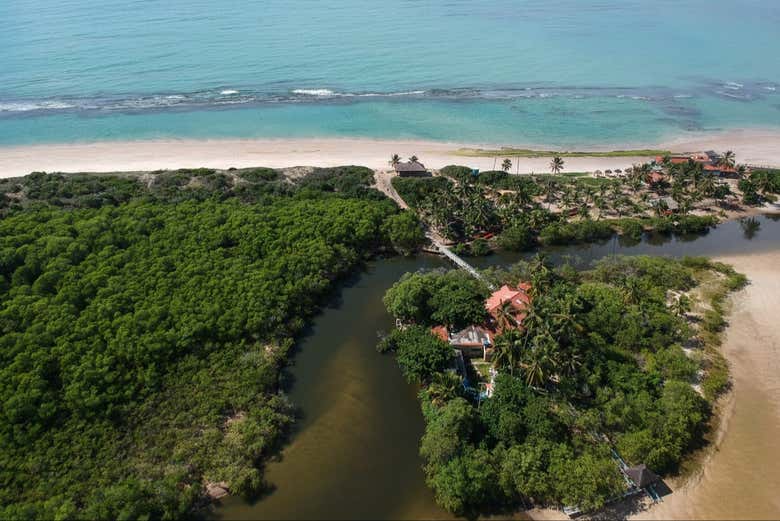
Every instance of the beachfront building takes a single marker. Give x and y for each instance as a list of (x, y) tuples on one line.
[(411, 169), (710, 162), (506, 307)]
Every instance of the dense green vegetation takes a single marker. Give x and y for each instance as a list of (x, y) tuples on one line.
[(251, 185), (525, 152), (451, 298), (142, 341), (598, 365), (762, 185), (461, 207)]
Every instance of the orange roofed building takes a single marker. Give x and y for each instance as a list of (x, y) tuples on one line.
[(518, 298), (710, 162), (476, 341)]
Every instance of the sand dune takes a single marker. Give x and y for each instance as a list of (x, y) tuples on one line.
[(751, 146)]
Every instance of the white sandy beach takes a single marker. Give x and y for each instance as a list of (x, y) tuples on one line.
[(751, 146)]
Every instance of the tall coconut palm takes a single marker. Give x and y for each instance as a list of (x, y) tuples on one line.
[(727, 159), (507, 351), (413, 159), (539, 363), (556, 165), (394, 160), (506, 165), (707, 185), (505, 316), (444, 387)]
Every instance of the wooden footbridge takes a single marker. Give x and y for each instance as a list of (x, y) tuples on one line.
[(384, 185), (459, 262)]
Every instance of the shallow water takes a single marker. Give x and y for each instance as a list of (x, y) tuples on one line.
[(564, 72), (355, 453)]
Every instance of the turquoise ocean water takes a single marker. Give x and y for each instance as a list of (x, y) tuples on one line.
[(559, 72)]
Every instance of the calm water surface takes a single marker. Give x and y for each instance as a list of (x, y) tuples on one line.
[(355, 452)]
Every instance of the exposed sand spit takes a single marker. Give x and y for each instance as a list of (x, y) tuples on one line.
[(740, 478)]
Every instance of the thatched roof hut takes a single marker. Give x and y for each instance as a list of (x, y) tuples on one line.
[(641, 475)]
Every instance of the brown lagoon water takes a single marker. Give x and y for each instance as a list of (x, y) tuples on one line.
[(354, 452)]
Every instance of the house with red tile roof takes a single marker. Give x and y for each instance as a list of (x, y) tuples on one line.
[(517, 298), (476, 341)]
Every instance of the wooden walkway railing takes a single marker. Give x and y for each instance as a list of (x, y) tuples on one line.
[(457, 260), (384, 184)]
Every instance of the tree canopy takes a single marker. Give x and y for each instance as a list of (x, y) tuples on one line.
[(143, 335), (597, 366)]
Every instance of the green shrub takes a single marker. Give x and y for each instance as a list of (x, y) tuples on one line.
[(479, 248), (581, 231), (516, 238), (405, 232)]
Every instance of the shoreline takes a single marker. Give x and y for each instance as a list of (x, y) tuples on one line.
[(734, 477), (753, 146)]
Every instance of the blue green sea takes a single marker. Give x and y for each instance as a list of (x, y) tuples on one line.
[(559, 72)]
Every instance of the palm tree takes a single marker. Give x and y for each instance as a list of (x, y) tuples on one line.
[(762, 182), (600, 203), (505, 316), (507, 350), (394, 160), (556, 165), (444, 387), (506, 165), (539, 363), (661, 207), (707, 185), (727, 159), (413, 159)]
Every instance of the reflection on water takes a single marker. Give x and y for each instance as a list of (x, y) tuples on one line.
[(354, 455), (750, 227), (355, 451), (728, 238)]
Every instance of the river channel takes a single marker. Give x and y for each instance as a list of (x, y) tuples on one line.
[(354, 453)]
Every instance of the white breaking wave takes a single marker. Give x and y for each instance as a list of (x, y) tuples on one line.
[(315, 92), (228, 92), (327, 93), (407, 93), (27, 107)]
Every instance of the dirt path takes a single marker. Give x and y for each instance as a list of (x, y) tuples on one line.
[(383, 179)]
